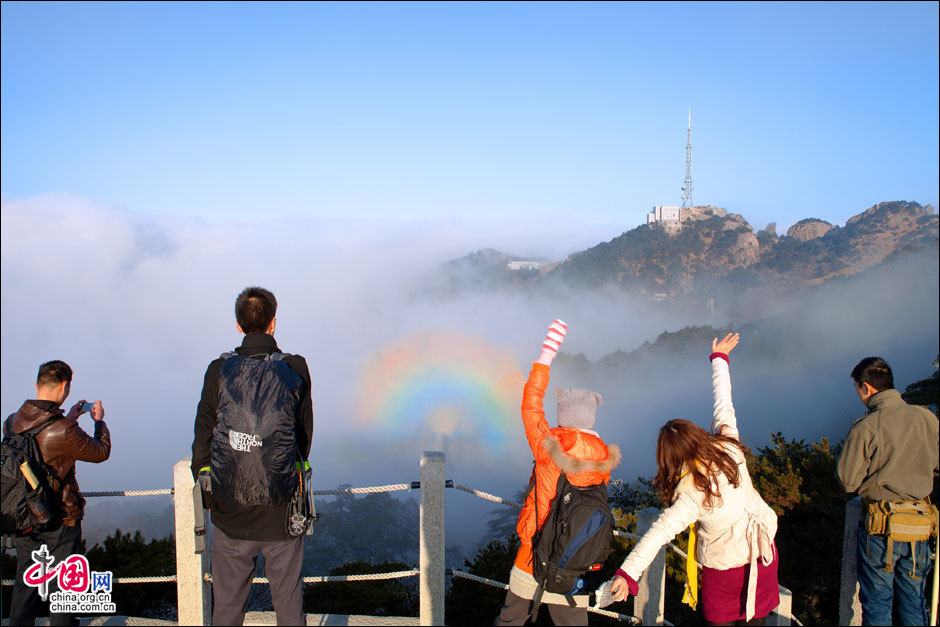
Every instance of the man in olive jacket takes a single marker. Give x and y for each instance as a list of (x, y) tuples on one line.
[(890, 454), (61, 443), (242, 531)]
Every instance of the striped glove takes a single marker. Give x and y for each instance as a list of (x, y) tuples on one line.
[(553, 339)]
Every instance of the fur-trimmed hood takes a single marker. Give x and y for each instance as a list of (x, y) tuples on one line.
[(572, 465)]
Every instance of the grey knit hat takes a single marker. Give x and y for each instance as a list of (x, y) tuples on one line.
[(576, 407)]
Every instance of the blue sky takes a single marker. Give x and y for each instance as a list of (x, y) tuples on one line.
[(480, 111)]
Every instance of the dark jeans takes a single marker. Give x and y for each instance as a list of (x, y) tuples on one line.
[(904, 587), (516, 611), (233, 567), (25, 605)]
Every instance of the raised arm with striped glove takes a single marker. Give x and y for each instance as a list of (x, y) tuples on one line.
[(553, 339)]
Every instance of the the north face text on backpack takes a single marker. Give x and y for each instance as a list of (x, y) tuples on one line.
[(242, 441)]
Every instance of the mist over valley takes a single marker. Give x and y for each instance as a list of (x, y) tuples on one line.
[(415, 345)]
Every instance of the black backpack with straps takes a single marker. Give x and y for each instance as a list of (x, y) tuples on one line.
[(253, 454), (26, 501), (575, 539)]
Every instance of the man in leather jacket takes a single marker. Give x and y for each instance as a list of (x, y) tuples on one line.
[(61, 444)]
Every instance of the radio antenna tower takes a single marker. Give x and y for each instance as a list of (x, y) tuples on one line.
[(687, 186)]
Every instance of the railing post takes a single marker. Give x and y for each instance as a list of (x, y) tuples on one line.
[(192, 591), (431, 552), (781, 616), (850, 609), (649, 603)]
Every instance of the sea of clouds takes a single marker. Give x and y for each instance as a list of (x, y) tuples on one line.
[(139, 305)]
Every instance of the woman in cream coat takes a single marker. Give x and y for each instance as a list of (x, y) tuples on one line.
[(703, 479)]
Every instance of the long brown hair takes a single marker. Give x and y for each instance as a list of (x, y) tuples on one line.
[(685, 447)]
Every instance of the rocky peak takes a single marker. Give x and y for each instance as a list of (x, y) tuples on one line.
[(810, 228), (884, 210), (703, 212)]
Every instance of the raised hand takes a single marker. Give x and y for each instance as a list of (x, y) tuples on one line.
[(551, 344), (727, 344), (76, 410)]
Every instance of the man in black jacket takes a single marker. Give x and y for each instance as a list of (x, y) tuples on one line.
[(247, 506)]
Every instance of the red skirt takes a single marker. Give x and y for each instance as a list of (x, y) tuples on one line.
[(724, 592)]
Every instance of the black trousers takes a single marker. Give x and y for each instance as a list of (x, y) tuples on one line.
[(233, 566), (26, 603), (516, 611)]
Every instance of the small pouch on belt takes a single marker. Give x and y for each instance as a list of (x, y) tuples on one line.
[(874, 516), (901, 521)]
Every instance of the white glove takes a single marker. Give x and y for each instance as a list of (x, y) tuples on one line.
[(553, 339), (603, 596)]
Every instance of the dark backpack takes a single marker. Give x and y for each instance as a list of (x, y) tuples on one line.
[(254, 450), (575, 539), (24, 507)]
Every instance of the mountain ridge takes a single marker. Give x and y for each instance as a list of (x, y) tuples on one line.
[(709, 246)]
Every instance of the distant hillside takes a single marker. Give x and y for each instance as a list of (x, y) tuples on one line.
[(484, 270), (654, 258), (711, 249), (783, 336)]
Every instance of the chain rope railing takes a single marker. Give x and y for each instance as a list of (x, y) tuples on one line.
[(398, 574), (124, 580), (504, 586), (369, 490), (155, 579), (129, 493), (484, 495)]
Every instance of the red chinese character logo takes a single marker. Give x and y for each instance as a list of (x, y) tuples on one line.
[(73, 574), (35, 576)]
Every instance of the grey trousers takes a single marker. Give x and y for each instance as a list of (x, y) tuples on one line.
[(233, 566), (516, 611)]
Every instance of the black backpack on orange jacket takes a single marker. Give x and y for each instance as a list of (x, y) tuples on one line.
[(575, 539)]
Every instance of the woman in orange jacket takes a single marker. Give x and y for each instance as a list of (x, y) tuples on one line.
[(573, 448)]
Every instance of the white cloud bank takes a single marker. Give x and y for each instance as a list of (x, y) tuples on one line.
[(139, 306)]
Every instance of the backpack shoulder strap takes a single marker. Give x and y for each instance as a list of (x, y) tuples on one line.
[(33, 432), (275, 356)]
